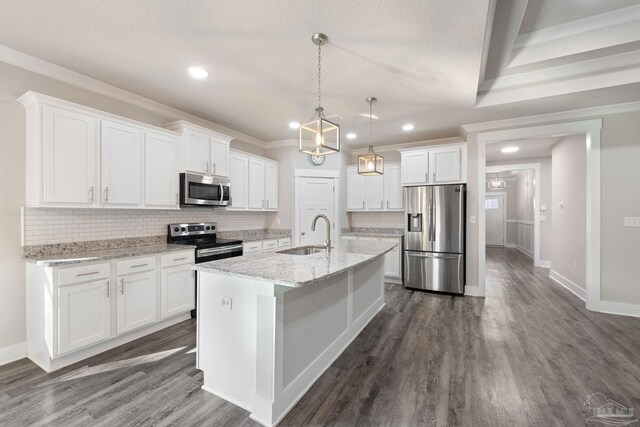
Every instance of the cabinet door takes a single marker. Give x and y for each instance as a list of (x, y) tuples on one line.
[(271, 185), (177, 290), (136, 301), (374, 190), (256, 184), (219, 157), (355, 190), (196, 155), (392, 264), (239, 178), (393, 188), (161, 171), (121, 164), (83, 315), (415, 167), (444, 164), (70, 144)]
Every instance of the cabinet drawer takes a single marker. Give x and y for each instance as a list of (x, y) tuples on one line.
[(349, 237), (269, 245), (177, 258), (251, 248), (135, 265), (83, 273), (283, 243)]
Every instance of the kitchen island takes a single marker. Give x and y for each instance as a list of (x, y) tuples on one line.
[(270, 324)]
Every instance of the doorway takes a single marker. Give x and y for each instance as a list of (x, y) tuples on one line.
[(495, 215), (315, 195)]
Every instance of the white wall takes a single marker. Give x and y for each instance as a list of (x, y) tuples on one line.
[(569, 224)]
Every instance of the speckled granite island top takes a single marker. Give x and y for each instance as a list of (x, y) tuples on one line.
[(62, 260), (299, 270)]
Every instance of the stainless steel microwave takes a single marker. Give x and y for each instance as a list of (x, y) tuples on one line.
[(205, 191)]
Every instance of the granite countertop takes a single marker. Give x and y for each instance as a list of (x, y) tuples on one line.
[(299, 270), (255, 235), (374, 232), (61, 260)]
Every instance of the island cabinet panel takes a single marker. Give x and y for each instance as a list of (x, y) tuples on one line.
[(366, 289)]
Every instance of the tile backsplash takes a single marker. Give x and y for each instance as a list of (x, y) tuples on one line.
[(376, 219), (63, 225)]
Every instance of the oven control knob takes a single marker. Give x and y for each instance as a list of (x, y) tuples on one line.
[(183, 229), (176, 229), (208, 227)]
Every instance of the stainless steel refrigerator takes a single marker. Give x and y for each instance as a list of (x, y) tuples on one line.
[(434, 238)]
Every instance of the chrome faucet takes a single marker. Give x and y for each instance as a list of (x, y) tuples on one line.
[(313, 228)]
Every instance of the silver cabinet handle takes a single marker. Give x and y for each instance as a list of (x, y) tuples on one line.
[(91, 194), (206, 167), (426, 177), (180, 259), (381, 204), (363, 204), (214, 168), (267, 203), (106, 194), (122, 286), (387, 204), (433, 174), (139, 265), (107, 289), (87, 274)]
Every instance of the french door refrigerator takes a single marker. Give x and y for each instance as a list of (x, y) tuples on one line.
[(434, 238)]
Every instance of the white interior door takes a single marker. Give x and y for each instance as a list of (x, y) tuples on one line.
[(495, 219), (316, 197)]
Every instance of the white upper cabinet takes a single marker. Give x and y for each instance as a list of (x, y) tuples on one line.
[(374, 193), (355, 190), (254, 182), (202, 150), (393, 193), (438, 165), (81, 157), (239, 178), (271, 185), (196, 151), (122, 164), (161, 170), (69, 145)]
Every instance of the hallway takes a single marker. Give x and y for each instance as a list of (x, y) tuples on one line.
[(528, 355)]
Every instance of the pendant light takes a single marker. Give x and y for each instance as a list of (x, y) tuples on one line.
[(319, 136), (496, 185), (371, 164)]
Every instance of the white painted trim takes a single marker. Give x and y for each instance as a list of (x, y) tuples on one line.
[(567, 284), (473, 291), (536, 212), (13, 352), (526, 252), (31, 63), (504, 212), (487, 39), (430, 143), (620, 308), (511, 245), (545, 264), (592, 130), (316, 173)]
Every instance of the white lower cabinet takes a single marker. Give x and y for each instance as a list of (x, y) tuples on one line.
[(84, 313), (136, 301), (392, 259), (80, 311), (265, 245), (177, 292)]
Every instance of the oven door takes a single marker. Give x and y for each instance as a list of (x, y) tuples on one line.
[(213, 254), (199, 190)]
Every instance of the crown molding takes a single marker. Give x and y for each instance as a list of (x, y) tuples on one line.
[(294, 143), (410, 145), (583, 113), (39, 66)]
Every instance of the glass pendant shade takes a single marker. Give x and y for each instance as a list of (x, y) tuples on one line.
[(370, 164), (319, 136), (496, 185)]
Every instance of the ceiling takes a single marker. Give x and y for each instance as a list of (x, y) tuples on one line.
[(528, 149), (434, 64)]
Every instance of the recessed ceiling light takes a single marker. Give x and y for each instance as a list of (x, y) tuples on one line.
[(294, 125), (407, 127), (351, 135), (198, 73), (510, 149)]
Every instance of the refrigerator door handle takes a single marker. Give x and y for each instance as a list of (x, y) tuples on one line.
[(431, 255)]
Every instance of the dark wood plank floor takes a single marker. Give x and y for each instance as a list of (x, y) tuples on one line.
[(529, 354)]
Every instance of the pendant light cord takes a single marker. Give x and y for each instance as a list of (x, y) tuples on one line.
[(319, 75), (370, 122)]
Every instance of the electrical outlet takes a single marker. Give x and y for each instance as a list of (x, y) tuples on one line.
[(226, 302), (632, 221), (278, 222), (472, 219), (543, 218)]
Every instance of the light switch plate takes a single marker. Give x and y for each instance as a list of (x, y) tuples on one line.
[(632, 221), (472, 219), (225, 302), (543, 207), (543, 218)]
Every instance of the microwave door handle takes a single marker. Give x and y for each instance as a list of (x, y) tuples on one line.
[(221, 192)]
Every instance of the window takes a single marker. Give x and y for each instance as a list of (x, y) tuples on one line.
[(491, 204)]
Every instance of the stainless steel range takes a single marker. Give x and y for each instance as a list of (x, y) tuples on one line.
[(204, 237)]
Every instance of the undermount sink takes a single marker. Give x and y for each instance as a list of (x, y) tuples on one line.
[(304, 250)]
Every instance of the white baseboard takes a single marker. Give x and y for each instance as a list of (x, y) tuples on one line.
[(510, 245), (619, 308), (545, 264), (473, 291), (568, 284), (524, 251), (13, 352)]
